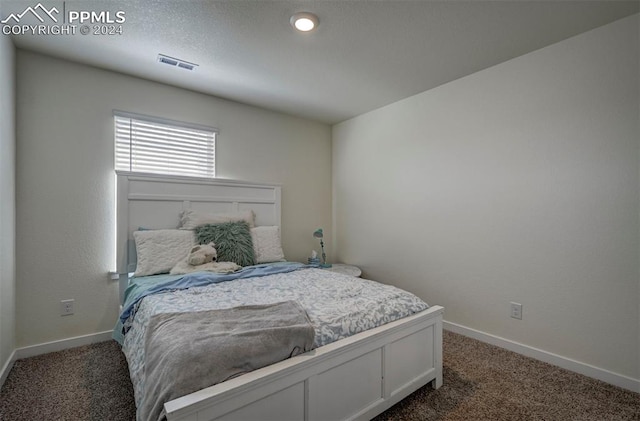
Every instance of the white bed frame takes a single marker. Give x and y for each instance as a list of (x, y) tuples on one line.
[(355, 378)]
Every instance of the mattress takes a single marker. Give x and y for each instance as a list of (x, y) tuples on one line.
[(338, 306)]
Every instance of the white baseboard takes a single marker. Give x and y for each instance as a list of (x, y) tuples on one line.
[(548, 357), (7, 368), (45, 348)]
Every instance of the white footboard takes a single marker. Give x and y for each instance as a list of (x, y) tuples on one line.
[(355, 378)]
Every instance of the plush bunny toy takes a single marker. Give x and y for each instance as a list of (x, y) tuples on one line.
[(203, 253)]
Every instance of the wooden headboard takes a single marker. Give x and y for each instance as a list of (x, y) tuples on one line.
[(154, 202)]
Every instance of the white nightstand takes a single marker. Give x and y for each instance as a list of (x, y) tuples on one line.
[(346, 269)]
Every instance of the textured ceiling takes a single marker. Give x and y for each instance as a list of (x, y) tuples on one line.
[(363, 55)]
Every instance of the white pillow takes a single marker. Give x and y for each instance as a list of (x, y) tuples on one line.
[(190, 219), (266, 244), (159, 250)]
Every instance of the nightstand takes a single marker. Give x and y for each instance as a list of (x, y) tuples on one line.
[(346, 269)]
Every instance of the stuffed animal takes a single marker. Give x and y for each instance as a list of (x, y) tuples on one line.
[(204, 253)]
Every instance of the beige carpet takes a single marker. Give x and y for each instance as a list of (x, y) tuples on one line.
[(481, 382), (85, 383), (484, 382)]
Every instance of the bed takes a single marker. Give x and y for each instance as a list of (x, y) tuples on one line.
[(355, 370)]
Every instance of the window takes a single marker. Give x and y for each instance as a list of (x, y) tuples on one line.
[(154, 145)]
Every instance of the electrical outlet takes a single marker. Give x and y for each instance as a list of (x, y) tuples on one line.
[(516, 311), (66, 307)]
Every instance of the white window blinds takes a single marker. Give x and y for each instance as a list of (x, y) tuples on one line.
[(153, 145)]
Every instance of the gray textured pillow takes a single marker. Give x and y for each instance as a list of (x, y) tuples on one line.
[(232, 239), (159, 250), (266, 244)]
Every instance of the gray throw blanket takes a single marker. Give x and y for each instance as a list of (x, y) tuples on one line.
[(186, 352)]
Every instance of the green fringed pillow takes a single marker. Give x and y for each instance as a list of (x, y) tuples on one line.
[(232, 239)]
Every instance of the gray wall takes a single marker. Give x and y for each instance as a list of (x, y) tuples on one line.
[(65, 182), (517, 183), (7, 200)]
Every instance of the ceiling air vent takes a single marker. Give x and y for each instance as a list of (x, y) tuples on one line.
[(187, 66), (176, 62)]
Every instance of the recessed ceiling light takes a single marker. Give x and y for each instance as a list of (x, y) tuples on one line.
[(304, 21)]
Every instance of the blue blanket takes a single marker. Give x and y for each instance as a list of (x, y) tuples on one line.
[(148, 285)]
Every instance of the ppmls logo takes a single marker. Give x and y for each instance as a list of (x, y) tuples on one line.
[(34, 11), (52, 22)]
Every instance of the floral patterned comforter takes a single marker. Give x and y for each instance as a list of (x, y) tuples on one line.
[(337, 305)]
